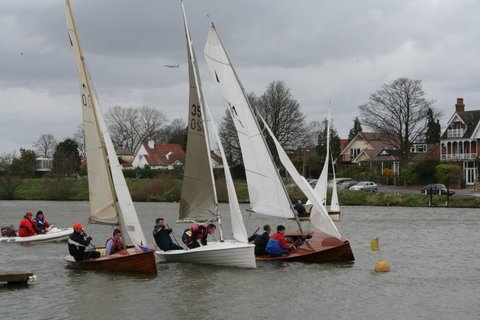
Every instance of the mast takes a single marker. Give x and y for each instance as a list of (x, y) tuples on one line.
[(194, 68)]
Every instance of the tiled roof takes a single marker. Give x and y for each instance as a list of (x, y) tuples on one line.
[(164, 154)]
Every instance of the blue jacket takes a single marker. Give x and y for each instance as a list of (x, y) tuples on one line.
[(274, 249)]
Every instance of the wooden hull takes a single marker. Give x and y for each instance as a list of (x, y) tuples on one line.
[(54, 235), (228, 254), (321, 247), (334, 215), (131, 260)]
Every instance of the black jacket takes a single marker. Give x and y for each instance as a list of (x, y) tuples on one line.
[(77, 243), (260, 243)]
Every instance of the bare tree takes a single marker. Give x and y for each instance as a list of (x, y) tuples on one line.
[(399, 110), (175, 132), (229, 139), (131, 127), (79, 138), (282, 114), (45, 145)]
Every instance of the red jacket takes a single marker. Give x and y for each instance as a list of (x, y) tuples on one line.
[(281, 238), (26, 228)]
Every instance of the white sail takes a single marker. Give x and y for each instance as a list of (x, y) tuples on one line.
[(198, 201), (319, 216), (265, 186), (197, 98), (334, 204), (109, 198), (321, 186), (266, 191)]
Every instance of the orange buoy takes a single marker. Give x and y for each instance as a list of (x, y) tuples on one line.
[(382, 266)]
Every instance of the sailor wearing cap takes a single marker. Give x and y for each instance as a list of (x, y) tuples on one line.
[(77, 243)]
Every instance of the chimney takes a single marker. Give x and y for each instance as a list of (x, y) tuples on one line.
[(459, 107), (151, 144)]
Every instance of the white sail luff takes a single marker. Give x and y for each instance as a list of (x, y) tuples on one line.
[(110, 200)]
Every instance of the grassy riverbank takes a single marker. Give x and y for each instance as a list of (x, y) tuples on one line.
[(168, 189)]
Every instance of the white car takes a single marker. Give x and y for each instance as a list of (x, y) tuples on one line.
[(367, 186)]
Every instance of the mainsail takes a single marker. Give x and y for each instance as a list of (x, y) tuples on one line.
[(266, 190), (204, 205), (109, 198)]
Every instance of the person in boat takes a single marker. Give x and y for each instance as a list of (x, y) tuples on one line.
[(299, 207), (78, 242), (25, 228), (114, 244), (161, 234), (278, 245), (262, 240), (198, 232), (40, 224)]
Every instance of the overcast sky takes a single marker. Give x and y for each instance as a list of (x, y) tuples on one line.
[(324, 51)]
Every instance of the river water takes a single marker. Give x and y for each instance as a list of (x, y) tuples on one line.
[(433, 254)]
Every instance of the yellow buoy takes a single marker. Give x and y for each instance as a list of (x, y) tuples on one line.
[(382, 266)]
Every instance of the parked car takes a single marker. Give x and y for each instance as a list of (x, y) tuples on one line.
[(367, 186), (347, 184), (312, 182), (339, 181), (436, 188)]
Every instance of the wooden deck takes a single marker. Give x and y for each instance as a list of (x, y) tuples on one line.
[(15, 277)]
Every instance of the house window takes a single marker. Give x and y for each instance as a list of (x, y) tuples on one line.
[(354, 152), (418, 148)]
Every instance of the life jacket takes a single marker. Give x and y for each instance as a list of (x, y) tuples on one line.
[(40, 225), (117, 245), (188, 233)]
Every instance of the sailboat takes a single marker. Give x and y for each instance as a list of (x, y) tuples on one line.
[(199, 201), (54, 235), (109, 198), (322, 183), (267, 193)]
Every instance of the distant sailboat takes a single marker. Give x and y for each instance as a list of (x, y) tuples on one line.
[(199, 201), (267, 193), (109, 197), (322, 182)]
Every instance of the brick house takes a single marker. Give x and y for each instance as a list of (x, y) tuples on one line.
[(459, 143)]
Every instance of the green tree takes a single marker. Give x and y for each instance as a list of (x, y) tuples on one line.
[(66, 159), (357, 127), (322, 142), (15, 170), (432, 135)]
